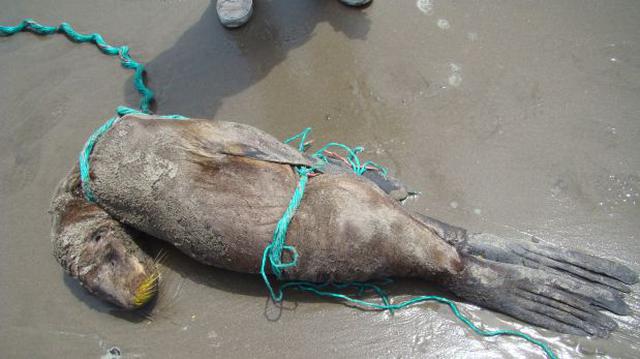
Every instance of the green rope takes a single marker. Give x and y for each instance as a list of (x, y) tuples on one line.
[(95, 38), (352, 153), (274, 251), (313, 288), (84, 158), (125, 60), (272, 254)]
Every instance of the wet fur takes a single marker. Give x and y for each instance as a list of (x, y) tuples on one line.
[(216, 190), (220, 207), (96, 249)]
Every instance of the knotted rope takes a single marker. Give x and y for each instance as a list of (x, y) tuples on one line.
[(273, 254), (274, 251)]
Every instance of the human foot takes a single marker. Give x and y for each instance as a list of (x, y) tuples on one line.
[(234, 13), (355, 2)]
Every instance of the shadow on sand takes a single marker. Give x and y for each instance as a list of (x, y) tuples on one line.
[(209, 62), (180, 267)]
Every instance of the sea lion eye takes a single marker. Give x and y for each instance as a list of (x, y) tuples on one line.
[(97, 235)]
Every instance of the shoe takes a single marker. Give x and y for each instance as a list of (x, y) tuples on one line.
[(355, 2), (234, 13)]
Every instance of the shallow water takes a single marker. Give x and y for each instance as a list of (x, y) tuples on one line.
[(518, 118)]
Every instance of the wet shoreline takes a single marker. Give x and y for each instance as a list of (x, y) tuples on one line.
[(513, 118)]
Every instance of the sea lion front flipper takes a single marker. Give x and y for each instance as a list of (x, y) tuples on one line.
[(555, 302), (208, 137), (247, 141), (238, 139), (244, 140), (389, 184)]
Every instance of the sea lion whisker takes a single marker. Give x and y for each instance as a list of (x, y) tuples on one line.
[(160, 257), (147, 289)]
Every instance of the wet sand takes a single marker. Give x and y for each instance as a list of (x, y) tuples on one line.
[(517, 118)]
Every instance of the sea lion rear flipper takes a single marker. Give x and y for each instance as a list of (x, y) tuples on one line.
[(555, 302), (552, 259), (551, 287)]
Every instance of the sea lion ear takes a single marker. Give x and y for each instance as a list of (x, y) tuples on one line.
[(247, 141)]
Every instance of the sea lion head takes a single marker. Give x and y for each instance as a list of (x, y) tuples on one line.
[(99, 251), (114, 269)]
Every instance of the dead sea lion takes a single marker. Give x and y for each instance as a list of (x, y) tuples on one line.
[(103, 254), (216, 190), (99, 251)]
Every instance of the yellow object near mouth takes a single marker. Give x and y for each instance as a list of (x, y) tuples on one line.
[(146, 290)]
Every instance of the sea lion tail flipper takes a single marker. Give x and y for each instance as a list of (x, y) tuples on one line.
[(559, 303), (534, 254), (577, 264)]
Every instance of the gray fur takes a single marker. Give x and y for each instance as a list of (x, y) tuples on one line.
[(94, 248)]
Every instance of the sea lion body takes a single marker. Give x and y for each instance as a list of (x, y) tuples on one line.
[(191, 184), (216, 190)]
